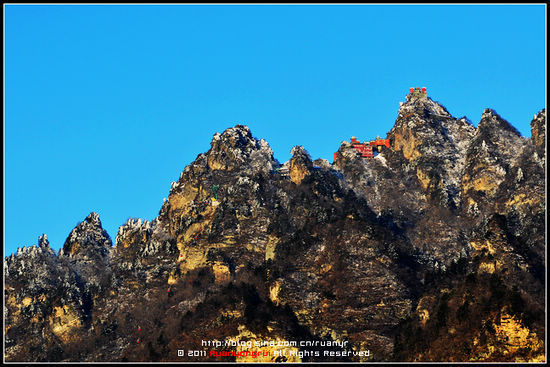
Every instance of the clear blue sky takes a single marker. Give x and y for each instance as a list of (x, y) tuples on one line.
[(106, 105)]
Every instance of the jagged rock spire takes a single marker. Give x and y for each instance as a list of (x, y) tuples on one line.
[(43, 241), (88, 239), (93, 219), (300, 164)]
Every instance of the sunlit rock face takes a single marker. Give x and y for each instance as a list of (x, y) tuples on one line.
[(432, 250), (300, 165)]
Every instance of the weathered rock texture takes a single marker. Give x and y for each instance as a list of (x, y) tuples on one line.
[(433, 250)]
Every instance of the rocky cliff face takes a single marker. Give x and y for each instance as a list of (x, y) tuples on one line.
[(432, 250), (434, 144), (494, 149)]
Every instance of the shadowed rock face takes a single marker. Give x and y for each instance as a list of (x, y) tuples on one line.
[(433, 250)]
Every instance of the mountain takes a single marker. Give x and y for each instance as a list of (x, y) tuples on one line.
[(432, 250)]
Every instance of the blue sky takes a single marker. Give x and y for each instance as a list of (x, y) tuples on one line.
[(106, 105)]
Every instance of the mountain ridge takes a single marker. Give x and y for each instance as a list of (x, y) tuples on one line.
[(378, 252)]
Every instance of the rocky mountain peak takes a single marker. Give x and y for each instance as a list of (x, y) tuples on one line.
[(300, 165), (236, 147), (422, 106), (493, 150), (491, 122), (238, 136), (495, 134), (298, 152), (88, 240), (434, 143), (93, 219), (423, 124)]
